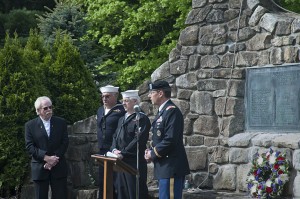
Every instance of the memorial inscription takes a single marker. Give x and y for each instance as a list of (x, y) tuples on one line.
[(273, 98)]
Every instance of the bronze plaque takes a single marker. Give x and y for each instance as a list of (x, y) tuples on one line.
[(272, 98)]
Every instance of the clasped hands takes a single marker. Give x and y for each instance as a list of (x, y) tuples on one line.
[(51, 161)]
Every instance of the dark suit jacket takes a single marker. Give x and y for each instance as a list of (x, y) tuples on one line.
[(168, 154), (38, 144)]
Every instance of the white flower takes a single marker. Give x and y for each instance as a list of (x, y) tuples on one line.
[(268, 183), (259, 192), (283, 177), (273, 178), (260, 160), (251, 177), (253, 188), (272, 158)]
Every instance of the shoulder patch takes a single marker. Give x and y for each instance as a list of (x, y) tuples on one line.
[(170, 107)]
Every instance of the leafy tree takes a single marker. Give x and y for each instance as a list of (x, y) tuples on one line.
[(19, 21), (20, 85), (25, 74), (72, 88), (68, 17), (138, 34), (8, 5)]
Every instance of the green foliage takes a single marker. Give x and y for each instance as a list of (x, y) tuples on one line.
[(19, 87), (19, 21), (291, 1), (73, 91), (138, 35), (30, 71), (292, 5), (68, 18), (7, 5)]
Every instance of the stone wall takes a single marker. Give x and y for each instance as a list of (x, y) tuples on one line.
[(207, 73)]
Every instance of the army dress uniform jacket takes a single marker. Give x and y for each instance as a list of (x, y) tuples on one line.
[(168, 154), (38, 144), (107, 124)]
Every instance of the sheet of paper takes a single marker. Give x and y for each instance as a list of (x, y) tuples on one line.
[(110, 154)]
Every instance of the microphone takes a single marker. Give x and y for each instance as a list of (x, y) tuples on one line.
[(137, 108)]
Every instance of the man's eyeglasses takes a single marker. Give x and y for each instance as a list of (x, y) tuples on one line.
[(47, 108)]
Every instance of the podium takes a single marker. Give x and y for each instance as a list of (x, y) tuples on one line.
[(111, 164)]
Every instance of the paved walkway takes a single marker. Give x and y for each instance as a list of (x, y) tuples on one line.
[(207, 194)]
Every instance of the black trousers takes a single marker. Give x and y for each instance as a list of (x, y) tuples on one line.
[(58, 186)]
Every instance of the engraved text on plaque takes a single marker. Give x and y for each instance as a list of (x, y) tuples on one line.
[(273, 98)]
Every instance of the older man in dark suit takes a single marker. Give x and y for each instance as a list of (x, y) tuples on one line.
[(47, 140)]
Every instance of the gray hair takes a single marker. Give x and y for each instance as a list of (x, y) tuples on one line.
[(38, 102)]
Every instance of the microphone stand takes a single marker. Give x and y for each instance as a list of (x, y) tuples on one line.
[(137, 155)]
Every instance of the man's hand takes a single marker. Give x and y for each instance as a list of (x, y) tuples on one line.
[(47, 166), (51, 161), (118, 153), (148, 155)]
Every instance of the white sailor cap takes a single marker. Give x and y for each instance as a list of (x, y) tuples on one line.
[(130, 94), (109, 89)]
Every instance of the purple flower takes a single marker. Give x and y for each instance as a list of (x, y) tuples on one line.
[(280, 162), (250, 185), (259, 171), (268, 176), (274, 187)]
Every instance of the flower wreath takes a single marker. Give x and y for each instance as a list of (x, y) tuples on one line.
[(268, 174)]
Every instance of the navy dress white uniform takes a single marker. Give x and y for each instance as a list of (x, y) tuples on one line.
[(125, 140), (107, 121), (168, 152)]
